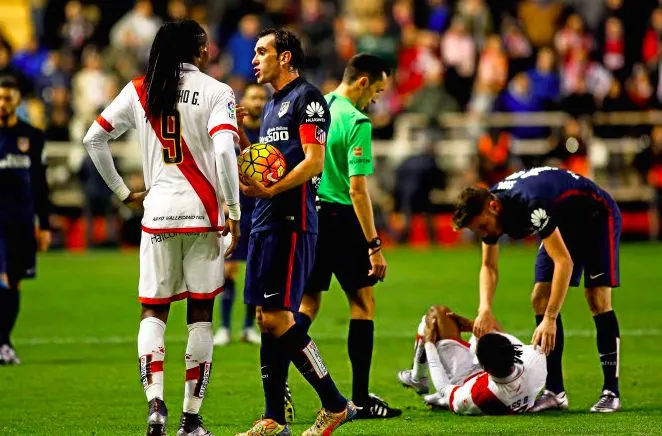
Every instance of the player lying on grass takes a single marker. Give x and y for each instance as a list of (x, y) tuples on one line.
[(495, 375)]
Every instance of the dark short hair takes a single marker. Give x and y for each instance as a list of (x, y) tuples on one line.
[(365, 64), (286, 41), (9, 82), (497, 355), (469, 205)]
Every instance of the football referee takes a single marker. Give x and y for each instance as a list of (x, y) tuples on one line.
[(348, 245)]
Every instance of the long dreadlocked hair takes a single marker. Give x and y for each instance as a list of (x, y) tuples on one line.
[(497, 355), (175, 42)]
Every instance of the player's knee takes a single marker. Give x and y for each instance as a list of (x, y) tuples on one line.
[(231, 269), (362, 304), (199, 310), (276, 322), (159, 311), (540, 297), (310, 304), (599, 300), (259, 318)]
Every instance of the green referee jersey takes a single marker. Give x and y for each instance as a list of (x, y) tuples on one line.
[(348, 149)]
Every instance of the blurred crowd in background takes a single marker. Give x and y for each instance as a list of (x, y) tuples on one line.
[(472, 56)]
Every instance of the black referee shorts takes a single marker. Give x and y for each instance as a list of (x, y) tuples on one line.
[(341, 250)]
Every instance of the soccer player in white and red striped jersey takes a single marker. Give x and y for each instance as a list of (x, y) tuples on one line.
[(186, 126), (497, 375)]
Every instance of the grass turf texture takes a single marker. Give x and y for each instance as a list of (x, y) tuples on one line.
[(77, 328)]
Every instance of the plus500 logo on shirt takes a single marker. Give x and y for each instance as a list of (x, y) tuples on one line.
[(275, 134)]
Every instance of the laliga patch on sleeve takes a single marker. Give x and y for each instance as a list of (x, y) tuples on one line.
[(232, 112)]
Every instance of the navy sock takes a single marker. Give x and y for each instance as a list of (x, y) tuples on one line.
[(606, 325), (303, 320), (359, 347), (554, 366), (249, 319), (9, 304), (305, 356), (227, 300), (274, 373)]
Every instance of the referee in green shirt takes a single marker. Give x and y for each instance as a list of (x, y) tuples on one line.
[(348, 245)]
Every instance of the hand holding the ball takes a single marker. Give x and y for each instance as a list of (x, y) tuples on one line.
[(252, 188)]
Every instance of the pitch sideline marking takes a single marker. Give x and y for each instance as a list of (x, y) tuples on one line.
[(122, 340)]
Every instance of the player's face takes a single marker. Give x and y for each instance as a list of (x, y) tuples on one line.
[(372, 92), (265, 61), (487, 225), (9, 100), (254, 100), (204, 55)]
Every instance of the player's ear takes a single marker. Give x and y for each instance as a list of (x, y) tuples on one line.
[(285, 57), (494, 205), (363, 81)]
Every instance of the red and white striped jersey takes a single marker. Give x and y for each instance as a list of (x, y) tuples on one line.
[(178, 158), (484, 394)]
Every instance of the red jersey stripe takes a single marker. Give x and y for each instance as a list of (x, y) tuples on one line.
[(105, 124), (223, 127), (188, 166), (485, 399), (290, 269)]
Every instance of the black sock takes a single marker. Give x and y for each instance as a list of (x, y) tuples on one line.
[(227, 299), (9, 304), (303, 320), (606, 325), (274, 373), (359, 347), (554, 367), (249, 319), (305, 356)]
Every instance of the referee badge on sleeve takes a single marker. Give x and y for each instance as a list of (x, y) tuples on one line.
[(357, 151), (23, 144)]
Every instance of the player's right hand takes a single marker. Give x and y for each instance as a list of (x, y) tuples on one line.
[(484, 323), (241, 113), (135, 200), (232, 227), (377, 266)]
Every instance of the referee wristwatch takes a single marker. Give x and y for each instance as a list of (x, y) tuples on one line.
[(375, 243)]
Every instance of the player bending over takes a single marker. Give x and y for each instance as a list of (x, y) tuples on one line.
[(187, 129), (497, 375)]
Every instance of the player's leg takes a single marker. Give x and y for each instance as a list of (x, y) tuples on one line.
[(416, 377), (227, 297), (161, 282), (204, 274), (249, 334), (602, 274)]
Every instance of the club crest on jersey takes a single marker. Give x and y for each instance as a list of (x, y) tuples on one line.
[(23, 144), (320, 135), (539, 218), (283, 108)]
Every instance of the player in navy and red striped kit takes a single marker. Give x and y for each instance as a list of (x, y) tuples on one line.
[(284, 233), (579, 225), (23, 195)]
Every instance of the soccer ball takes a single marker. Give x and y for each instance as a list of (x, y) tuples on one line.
[(262, 163)]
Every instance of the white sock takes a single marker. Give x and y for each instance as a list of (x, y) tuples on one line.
[(420, 365), (151, 353), (199, 351)]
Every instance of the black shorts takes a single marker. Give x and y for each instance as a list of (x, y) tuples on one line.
[(18, 250), (341, 250), (278, 266)]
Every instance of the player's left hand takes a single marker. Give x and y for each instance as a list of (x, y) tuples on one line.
[(43, 240), (377, 265), (241, 113), (545, 336), (253, 188), (232, 227)]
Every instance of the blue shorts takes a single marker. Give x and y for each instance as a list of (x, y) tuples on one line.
[(18, 250), (594, 248), (278, 266), (240, 254)]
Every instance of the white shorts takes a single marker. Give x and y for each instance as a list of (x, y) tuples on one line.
[(458, 359), (174, 266)]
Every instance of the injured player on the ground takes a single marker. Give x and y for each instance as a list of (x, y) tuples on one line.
[(494, 375)]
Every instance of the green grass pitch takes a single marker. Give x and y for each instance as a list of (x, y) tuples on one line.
[(77, 331)]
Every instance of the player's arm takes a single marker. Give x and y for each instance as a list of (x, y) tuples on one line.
[(116, 119), (359, 159), (222, 127), (545, 333), (40, 192), (309, 167), (488, 279), (244, 142)]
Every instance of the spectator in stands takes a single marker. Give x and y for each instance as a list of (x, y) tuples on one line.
[(616, 101), (99, 209), (517, 46), (494, 156), (415, 58), (649, 165), (31, 59), (580, 102), (492, 76), (7, 69), (136, 30), (240, 47), (432, 99), (639, 89), (477, 17), (438, 16), (52, 75), (518, 98), (539, 18), (58, 124), (573, 35), (613, 47), (652, 49), (384, 111), (77, 29), (377, 40), (177, 10), (458, 53), (569, 150), (545, 80), (316, 24), (91, 91)]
